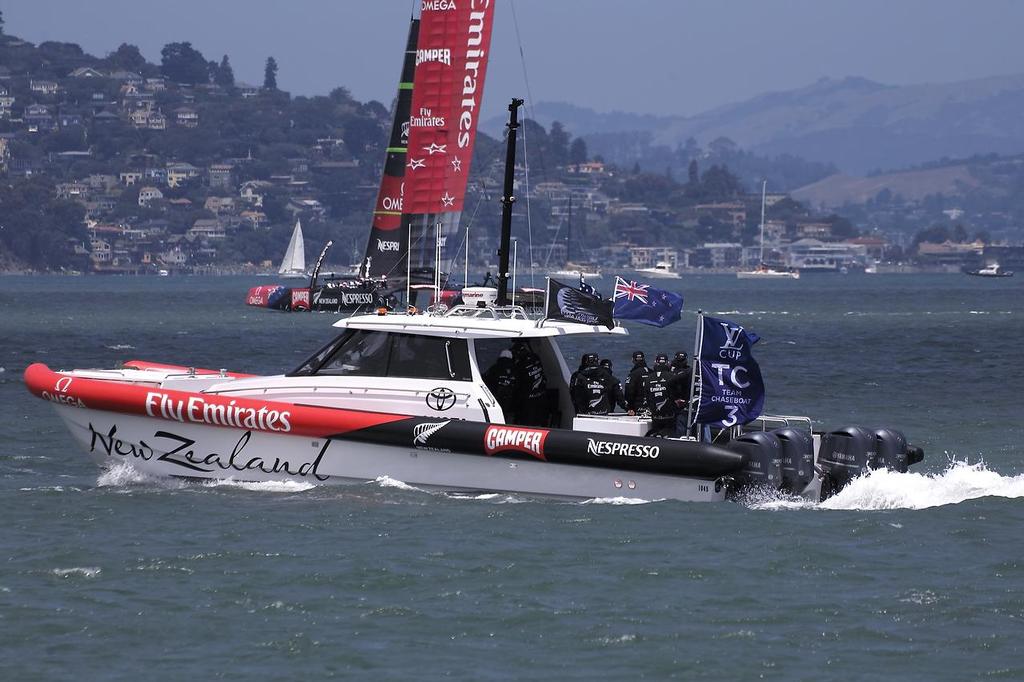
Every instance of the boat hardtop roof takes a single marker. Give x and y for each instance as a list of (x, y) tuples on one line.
[(474, 323)]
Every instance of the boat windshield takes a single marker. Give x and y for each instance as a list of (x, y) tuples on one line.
[(361, 352)]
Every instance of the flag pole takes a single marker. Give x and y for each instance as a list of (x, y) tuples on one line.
[(695, 374)]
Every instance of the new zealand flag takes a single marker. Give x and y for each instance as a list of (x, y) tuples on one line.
[(731, 389), (573, 305), (644, 303)]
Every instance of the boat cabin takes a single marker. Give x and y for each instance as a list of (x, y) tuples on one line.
[(424, 365)]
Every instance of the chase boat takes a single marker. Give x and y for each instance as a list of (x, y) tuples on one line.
[(392, 395), (403, 396)]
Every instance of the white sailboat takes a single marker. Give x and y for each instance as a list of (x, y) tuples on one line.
[(763, 271), (293, 265)]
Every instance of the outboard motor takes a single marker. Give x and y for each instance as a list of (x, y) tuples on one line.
[(797, 458), (763, 455), (892, 451), (844, 455)]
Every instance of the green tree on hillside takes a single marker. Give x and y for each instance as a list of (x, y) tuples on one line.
[(578, 151), (224, 75), (128, 57), (558, 144), (182, 63), (270, 74), (1, 22), (718, 183)]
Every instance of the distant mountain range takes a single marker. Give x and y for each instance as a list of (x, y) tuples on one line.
[(856, 124)]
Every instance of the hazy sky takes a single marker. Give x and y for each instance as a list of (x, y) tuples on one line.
[(650, 56)]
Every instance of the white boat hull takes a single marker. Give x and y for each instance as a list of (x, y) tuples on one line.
[(767, 274), (659, 274), (167, 448)]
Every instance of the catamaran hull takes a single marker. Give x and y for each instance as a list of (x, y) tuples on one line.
[(164, 449)]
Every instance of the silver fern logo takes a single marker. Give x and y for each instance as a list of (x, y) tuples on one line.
[(422, 432)]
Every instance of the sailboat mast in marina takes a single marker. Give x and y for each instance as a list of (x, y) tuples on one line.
[(763, 270)]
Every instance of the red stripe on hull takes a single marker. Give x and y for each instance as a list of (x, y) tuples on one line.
[(198, 408)]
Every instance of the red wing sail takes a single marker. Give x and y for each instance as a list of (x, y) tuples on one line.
[(451, 61)]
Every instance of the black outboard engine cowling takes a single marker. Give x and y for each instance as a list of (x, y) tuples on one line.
[(844, 455), (797, 458), (763, 454), (893, 452)]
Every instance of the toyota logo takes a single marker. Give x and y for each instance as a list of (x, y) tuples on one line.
[(441, 399)]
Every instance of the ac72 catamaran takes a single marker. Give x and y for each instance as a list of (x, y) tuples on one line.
[(403, 396)]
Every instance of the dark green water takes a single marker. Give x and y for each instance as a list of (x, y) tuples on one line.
[(902, 577)]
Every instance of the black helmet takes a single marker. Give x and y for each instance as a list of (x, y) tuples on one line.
[(681, 357), (606, 363), (661, 359), (589, 360), (638, 356)]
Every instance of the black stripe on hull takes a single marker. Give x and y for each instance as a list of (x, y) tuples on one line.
[(558, 446)]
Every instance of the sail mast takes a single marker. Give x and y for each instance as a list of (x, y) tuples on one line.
[(764, 185), (507, 199), (568, 238)]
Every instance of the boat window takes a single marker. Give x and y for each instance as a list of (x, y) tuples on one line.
[(487, 351), (377, 353), (364, 353), (311, 364), (430, 357)]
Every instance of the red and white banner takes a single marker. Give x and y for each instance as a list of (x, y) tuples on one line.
[(451, 62)]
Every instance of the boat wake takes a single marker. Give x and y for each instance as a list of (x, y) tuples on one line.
[(123, 475), (882, 490), (618, 501), (388, 482), (262, 486)]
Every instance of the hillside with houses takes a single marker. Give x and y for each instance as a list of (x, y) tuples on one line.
[(117, 165)]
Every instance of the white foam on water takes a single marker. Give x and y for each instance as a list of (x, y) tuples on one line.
[(960, 482), (496, 498), (470, 496), (84, 571), (882, 490), (123, 474), (121, 346), (261, 486), (617, 500), (388, 482)]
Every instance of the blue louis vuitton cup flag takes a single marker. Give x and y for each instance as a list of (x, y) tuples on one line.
[(731, 390), (644, 303)]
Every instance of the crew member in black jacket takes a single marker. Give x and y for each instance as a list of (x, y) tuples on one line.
[(684, 377), (531, 400), (501, 380), (634, 390), (616, 396), (661, 391)]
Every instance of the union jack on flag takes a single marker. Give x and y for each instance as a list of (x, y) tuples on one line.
[(645, 304), (631, 291)]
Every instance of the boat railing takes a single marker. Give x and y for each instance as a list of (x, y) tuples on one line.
[(768, 422), (503, 312)]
